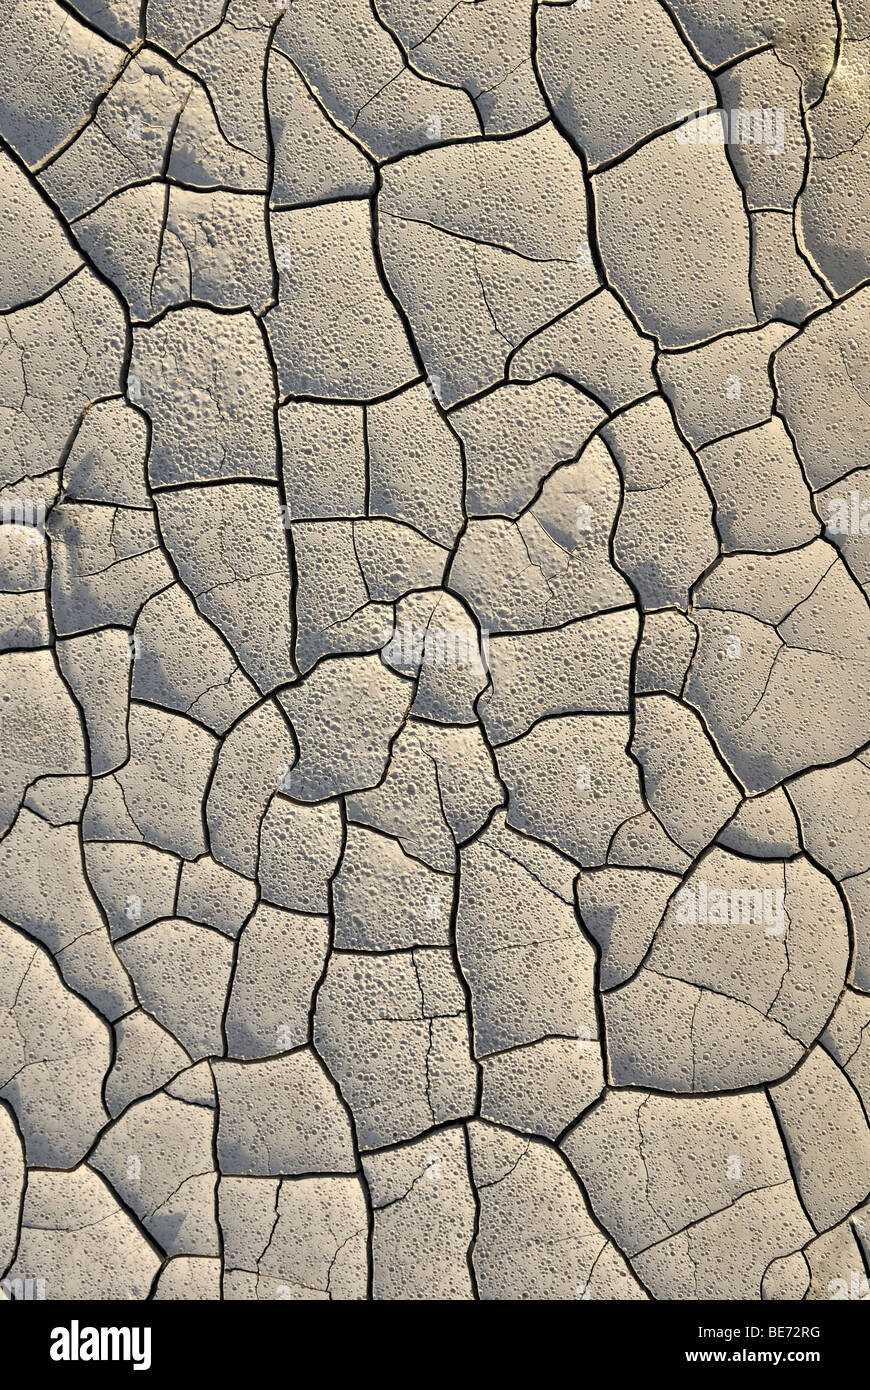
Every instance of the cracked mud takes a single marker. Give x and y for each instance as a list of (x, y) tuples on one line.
[(434, 650)]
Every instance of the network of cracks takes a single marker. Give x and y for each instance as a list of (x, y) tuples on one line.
[(434, 650)]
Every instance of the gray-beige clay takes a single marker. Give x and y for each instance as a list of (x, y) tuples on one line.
[(434, 649)]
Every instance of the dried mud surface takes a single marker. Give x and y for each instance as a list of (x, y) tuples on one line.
[(434, 650)]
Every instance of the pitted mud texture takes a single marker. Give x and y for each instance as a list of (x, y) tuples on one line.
[(434, 649)]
